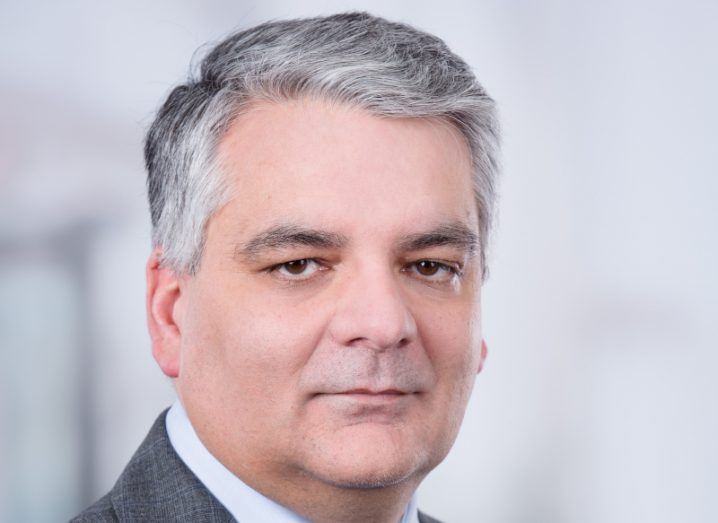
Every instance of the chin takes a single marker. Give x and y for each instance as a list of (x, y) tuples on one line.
[(365, 481), (370, 456)]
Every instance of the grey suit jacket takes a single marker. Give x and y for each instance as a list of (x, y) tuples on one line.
[(156, 485)]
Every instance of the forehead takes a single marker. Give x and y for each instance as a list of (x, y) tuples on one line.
[(319, 164)]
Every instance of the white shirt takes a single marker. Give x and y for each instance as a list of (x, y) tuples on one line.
[(244, 503)]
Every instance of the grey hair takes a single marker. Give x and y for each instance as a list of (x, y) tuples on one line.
[(386, 68)]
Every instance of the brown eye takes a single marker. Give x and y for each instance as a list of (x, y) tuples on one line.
[(297, 270), (296, 267), (427, 268)]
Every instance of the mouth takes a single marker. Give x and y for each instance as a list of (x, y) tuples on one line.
[(368, 397), (369, 392), (386, 406)]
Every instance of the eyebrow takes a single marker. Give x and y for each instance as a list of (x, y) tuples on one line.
[(454, 234), (288, 236)]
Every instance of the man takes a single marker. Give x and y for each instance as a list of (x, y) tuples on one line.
[(321, 197)]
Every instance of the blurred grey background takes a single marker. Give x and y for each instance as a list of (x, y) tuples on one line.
[(599, 399)]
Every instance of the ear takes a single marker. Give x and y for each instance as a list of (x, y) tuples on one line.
[(164, 298), (482, 356)]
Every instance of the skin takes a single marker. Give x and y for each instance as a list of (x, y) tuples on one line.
[(327, 346)]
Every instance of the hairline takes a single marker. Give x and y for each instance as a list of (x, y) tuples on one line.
[(183, 144)]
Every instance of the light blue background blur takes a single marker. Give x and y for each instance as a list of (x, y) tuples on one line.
[(598, 402)]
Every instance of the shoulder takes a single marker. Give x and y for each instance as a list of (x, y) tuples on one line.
[(157, 486), (101, 511), (423, 518)]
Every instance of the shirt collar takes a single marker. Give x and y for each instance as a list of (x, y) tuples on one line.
[(243, 502)]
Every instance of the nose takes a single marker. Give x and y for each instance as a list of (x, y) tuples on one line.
[(372, 312)]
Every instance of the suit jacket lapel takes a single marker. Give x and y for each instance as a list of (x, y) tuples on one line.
[(157, 486)]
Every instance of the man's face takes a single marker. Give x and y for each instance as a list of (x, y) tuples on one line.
[(333, 328)]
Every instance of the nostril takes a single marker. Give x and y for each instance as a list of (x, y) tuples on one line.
[(371, 344)]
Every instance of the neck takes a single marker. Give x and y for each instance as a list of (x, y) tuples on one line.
[(324, 503)]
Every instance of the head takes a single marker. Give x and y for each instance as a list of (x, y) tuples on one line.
[(321, 196)]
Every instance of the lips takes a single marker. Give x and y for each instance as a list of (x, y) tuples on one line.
[(366, 396), (356, 405), (369, 392)]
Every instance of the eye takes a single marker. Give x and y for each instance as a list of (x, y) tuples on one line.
[(434, 271), (427, 267), (297, 269)]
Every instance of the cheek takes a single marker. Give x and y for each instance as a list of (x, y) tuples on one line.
[(452, 333), (451, 336), (253, 345)]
